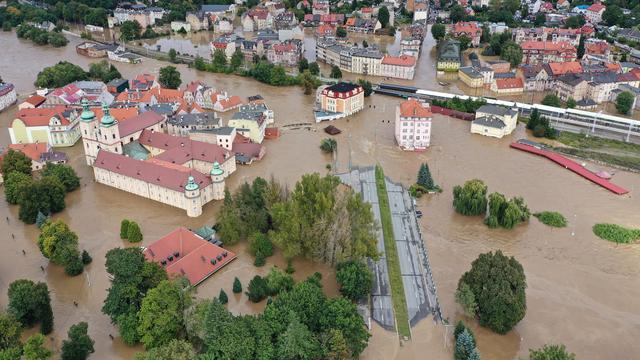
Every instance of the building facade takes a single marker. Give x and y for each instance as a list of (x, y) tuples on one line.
[(413, 125), (7, 95), (344, 98)]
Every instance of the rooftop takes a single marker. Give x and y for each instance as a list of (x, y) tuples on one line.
[(414, 108)]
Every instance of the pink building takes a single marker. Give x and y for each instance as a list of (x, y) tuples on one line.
[(413, 125)]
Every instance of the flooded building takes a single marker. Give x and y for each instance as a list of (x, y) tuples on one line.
[(494, 121), (541, 52), (449, 56), (340, 100), (7, 95), (57, 126), (413, 125)]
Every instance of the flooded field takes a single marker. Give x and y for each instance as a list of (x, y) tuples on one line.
[(582, 291)]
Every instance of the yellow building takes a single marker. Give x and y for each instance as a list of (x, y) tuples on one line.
[(251, 121), (57, 126), (342, 98), (470, 77), (449, 56)]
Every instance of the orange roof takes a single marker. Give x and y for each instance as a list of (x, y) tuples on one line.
[(36, 100), (561, 68), (414, 108), (230, 102), (42, 116), (547, 45), (183, 253), (600, 47), (596, 8), (613, 67), (351, 22), (402, 60), (135, 96), (33, 151), (466, 27), (120, 114), (168, 95), (510, 83)]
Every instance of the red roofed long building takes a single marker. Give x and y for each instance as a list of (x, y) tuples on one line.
[(183, 253), (413, 125), (468, 29), (136, 156), (535, 52), (57, 126)]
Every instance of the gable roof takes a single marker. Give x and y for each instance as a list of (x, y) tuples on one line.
[(139, 122), (415, 108), (561, 68), (509, 83), (180, 149), (42, 116)]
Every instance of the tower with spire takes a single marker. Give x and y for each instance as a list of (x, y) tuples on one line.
[(217, 178), (88, 131)]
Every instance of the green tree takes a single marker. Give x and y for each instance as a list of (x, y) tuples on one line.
[(170, 77), (222, 297), (34, 348), (466, 299), (383, 16), (134, 234), (613, 15), (41, 219), (58, 243), (355, 279), (297, 342), (173, 350), (464, 41), (15, 185), (366, 86), (541, 18), (30, 303), (64, 173), (161, 317), (44, 196), (571, 103), (15, 161), (498, 284), (237, 286), (624, 102), (278, 281), (124, 229), (551, 100), (337, 348), (261, 247), (391, 31), (314, 68), (512, 53), (457, 13), (200, 64), (219, 59), (130, 30), (303, 65), (79, 344), (534, 119), (60, 75), (128, 328), (424, 177), (580, 49), (258, 289), (237, 59), (336, 73), (103, 71), (471, 198), (551, 352), (438, 31), (329, 145), (465, 346), (10, 329), (341, 32), (308, 82), (229, 222), (173, 55), (574, 22)]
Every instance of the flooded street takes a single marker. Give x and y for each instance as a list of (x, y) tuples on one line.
[(582, 291)]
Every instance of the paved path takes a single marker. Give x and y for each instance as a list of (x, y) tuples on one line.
[(363, 181)]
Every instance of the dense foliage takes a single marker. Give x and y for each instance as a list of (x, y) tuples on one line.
[(169, 77), (465, 348), (64, 173), (506, 213), (60, 245), (471, 198), (60, 75), (551, 218), (29, 303), (540, 126), (616, 233), (103, 71), (551, 352), (40, 36), (624, 102), (261, 247), (355, 279), (498, 284), (15, 161), (79, 345), (468, 106)]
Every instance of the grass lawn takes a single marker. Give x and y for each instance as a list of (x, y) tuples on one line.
[(594, 143), (395, 276), (616, 233)]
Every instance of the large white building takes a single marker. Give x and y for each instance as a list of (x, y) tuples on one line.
[(7, 95), (494, 121), (136, 156), (413, 125)]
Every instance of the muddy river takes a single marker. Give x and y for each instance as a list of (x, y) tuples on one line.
[(582, 291)]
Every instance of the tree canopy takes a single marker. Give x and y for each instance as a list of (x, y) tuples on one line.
[(30, 303), (60, 75), (624, 102), (551, 352), (64, 173), (498, 284), (170, 77), (354, 278), (471, 198), (15, 161), (161, 313), (79, 345)]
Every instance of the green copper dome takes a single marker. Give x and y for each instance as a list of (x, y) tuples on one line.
[(87, 115), (216, 171), (191, 184), (107, 119)]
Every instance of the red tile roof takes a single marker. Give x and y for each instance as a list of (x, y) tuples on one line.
[(414, 108), (596, 8), (402, 60), (510, 83), (598, 48), (547, 45), (139, 122), (467, 28), (33, 151), (42, 116), (163, 175), (36, 100), (120, 114), (230, 103), (186, 254), (164, 95), (181, 149), (136, 96), (561, 68)]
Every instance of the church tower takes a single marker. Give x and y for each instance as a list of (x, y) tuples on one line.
[(193, 199), (109, 136), (217, 177), (88, 129)]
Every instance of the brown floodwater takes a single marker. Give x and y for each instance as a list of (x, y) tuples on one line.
[(582, 291)]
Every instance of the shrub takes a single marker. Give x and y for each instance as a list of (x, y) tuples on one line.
[(86, 258), (134, 234), (616, 233), (222, 297), (470, 199), (551, 218), (466, 299), (74, 267), (124, 229), (551, 352), (261, 247), (278, 281), (237, 286), (257, 289), (355, 279)]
